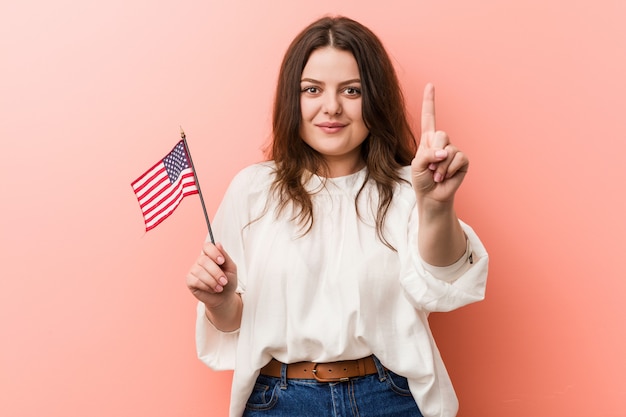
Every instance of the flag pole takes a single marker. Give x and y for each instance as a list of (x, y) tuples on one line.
[(195, 176)]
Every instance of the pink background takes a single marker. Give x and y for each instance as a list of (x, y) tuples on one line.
[(95, 317)]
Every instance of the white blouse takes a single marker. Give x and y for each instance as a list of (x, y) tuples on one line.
[(336, 292)]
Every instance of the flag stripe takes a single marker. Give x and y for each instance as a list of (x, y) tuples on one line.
[(167, 196), (138, 183), (150, 182), (151, 200), (155, 220), (159, 184), (167, 208)]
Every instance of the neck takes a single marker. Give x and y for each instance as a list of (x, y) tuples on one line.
[(342, 167)]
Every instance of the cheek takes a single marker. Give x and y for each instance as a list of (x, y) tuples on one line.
[(304, 109), (354, 109), (307, 110)]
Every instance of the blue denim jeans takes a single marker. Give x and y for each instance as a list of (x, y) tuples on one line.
[(384, 394)]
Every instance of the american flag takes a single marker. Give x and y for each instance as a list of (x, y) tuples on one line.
[(161, 189)]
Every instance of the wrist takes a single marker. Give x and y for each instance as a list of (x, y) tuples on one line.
[(430, 209), (226, 316)]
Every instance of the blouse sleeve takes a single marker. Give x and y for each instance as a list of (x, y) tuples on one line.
[(215, 348), (443, 289)]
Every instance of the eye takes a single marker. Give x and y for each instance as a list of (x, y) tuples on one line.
[(311, 89), (352, 91)]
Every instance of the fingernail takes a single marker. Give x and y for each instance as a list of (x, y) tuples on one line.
[(432, 166), (438, 177), (441, 154), (223, 281), (220, 260), (218, 288)]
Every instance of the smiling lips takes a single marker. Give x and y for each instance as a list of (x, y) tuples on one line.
[(329, 127)]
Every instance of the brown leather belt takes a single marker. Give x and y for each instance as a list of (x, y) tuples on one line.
[(323, 372)]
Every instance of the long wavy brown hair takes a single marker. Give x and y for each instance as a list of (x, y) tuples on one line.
[(390, 144)]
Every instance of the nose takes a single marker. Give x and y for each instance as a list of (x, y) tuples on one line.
[(332, 105)]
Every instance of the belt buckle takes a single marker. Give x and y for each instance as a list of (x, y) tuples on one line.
[(319, 379)]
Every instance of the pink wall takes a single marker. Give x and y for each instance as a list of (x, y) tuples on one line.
[(94, 314)]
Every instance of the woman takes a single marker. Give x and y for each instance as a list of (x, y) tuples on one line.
[(335, 250)]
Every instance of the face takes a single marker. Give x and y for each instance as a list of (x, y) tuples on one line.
[(330, 101)]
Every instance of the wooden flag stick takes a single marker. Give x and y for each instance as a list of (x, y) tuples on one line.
[(195, 177)]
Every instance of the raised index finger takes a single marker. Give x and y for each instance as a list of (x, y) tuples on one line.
[(428, 109)]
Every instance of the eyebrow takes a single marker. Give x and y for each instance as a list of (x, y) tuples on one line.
[(311, 80)]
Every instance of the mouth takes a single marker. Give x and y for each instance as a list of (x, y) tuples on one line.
[(330, 128), (330, 125)]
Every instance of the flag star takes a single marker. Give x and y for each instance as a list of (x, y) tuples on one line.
[(175, 162)]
